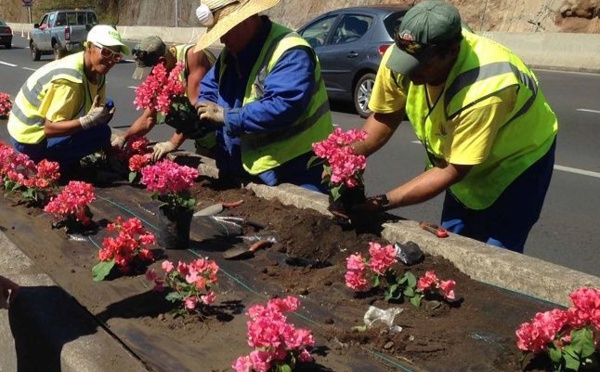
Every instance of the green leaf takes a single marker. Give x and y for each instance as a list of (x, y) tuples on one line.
[(412, 279), (572, 360), (335, 192), (362, 328), (284, 368), (375, 281), (416, 301), (132, 176), (409, 292), (102, 269), (555, 353), (582, 341), (174, 296)]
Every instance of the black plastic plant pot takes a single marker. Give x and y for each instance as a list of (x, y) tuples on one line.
[(349, 197), (174, 228)]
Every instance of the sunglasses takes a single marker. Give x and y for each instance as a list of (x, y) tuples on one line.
[(109, 54)]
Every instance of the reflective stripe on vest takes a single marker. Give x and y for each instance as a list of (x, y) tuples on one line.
[(25, 124), (483, 69), (264, 151)]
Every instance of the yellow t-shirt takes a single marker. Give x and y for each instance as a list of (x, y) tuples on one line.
[(469, 136), (65, 100)]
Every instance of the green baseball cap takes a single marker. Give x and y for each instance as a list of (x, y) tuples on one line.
[(426, 25), (146, 54)]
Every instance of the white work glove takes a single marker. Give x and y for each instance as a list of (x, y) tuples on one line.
[(97, 115), (161, 149), (118, 142), (210, 111)]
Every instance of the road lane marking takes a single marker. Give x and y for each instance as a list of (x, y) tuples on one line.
[(29, 68), (586, 110), (7, 64), (132, 87), (577, 171)]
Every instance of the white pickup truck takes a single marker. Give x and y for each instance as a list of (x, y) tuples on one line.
[(61, 32)]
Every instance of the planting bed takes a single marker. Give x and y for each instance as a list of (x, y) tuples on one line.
[(307, 261)]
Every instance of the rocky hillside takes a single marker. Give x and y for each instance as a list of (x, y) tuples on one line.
[(483, 15)]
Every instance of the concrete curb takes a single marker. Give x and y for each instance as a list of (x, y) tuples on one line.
[(502, 268), (47, 329)]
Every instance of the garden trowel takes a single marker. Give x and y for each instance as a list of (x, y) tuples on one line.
[(243, 251)]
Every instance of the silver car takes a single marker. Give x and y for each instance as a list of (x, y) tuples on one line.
[(350, 43)]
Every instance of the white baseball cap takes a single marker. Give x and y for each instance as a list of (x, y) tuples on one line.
[(106, 35)]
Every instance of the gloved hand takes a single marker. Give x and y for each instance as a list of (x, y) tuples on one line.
[(97, 115), (210, 111), (161, 149), (8, 291), (118, 142), (373, 204)]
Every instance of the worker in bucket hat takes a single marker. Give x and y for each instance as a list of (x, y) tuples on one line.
[(265, 95), (488, 132), (147, 54), (61, 112)]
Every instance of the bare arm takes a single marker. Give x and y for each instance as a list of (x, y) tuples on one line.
[(142, 124), (427, 185), (380, 128), (61, 128), (198, 66)]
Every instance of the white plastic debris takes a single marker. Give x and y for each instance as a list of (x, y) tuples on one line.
[(375, 314)]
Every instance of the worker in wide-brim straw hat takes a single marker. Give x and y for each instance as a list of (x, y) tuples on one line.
[(488, 132), (265, 96), (150, 52)]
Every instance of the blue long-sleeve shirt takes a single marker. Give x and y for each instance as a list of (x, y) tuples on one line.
[(287, 94)]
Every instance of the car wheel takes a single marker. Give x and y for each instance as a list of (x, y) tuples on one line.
[(35, 53), (362, 94), (58, 51), (8, 46)]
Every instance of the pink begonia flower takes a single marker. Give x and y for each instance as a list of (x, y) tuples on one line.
[(190, 303), (209, 298), (356, 262), (382, 258), (543, 329), (427, 281), (356, 281), (305, 356), (242, 364), (586, 309), (167, 266), (447, 286), (261, 360)]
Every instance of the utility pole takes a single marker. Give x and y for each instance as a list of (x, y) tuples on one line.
[(176, 13)]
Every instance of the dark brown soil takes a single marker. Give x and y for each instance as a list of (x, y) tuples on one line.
[(474, 334)]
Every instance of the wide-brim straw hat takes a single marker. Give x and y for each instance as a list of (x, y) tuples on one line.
[(220, 16)]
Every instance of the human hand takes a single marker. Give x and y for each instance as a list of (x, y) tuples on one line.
[(161, 149), (210, 111), (373, 204), (97, 115), (8, 291), (118, 142)]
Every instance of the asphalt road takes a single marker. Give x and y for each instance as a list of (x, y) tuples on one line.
[(566, 232)]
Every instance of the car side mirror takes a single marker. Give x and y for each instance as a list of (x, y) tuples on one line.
[(36, 25), (325, 26)]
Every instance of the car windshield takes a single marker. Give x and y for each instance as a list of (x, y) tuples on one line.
[(392, 21), (2, 23)]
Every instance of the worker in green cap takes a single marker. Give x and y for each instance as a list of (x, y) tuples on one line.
[(150, 52), (478, 110)]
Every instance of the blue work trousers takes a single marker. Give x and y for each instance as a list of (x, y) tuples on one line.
[(508, 221)]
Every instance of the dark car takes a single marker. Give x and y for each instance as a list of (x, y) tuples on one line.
[(350, 43), (5, 35)]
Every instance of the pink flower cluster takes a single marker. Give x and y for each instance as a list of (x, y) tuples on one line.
[(382, 258), (139, 161), (430, 282), (18, 171), (345, 167), (72, 201), (168, 177), (132, 241), (555, 326), (5, 104), (275, 341), (190, 283), (159, 88)]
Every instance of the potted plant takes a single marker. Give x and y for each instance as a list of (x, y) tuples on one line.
[(343, 168), (170, 183)]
